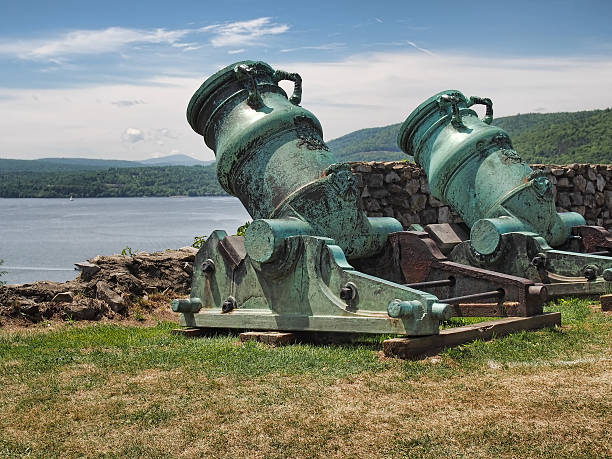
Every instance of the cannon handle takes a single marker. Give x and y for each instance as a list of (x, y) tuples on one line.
[(247, 73), (296, 97), (474, 100), (454, 101)]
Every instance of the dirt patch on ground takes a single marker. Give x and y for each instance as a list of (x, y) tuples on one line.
[(135, 288)]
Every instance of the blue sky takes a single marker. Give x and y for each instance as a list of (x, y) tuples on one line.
[(112, 79)]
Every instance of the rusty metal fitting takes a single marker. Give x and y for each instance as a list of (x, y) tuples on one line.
[(228, 305), (186, 305), (441, 311), (539, 261), (348, 292), (590, 272), (538, 292), (399, 309), (208, 267)]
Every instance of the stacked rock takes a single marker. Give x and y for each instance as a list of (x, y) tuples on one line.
[(583, 188), (400, 190)]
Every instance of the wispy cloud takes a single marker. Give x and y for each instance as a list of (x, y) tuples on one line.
[(423, 50), (244, 32), (127, 103), (60, 48), (236, 51), (400, 44), (81, 42), (326, 47)]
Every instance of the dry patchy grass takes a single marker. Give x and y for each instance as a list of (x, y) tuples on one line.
[(136, 392)]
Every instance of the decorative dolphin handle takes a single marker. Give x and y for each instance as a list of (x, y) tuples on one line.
[(474, 100), (281, 75), (454, 101), (247, 72)]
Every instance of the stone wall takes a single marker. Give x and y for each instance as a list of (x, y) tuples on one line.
[(400, 190)]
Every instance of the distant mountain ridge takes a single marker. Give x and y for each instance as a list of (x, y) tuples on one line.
[(559, 138), (84, 164), (175, 160)]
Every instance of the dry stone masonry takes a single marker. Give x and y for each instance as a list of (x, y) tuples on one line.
[(400, 190)]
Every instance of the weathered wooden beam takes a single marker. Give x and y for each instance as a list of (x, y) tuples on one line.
[(272, 338), (606, 302), (188, 332), (505, 309), (410, 348)]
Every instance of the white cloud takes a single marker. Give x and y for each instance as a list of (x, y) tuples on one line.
[(80, 42), (378, 89), (244, 32), (132, 135), (361, 91)]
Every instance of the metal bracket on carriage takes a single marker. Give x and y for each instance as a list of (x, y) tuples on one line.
[(472, 291)]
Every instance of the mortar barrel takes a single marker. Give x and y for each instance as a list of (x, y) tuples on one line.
[(271, 155), (472, 166)]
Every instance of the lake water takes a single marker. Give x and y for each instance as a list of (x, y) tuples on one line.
[(41, 239)]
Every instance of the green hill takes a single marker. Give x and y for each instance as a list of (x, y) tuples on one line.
[(560, 138), (113, 182), (372, 144)]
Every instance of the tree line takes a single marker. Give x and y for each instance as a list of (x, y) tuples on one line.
[(113, 182)]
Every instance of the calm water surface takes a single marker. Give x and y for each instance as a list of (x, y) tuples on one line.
[(41, 239)]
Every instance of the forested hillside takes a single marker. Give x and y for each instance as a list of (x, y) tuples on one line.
[(114, 182), (372, 144), (559, 138)]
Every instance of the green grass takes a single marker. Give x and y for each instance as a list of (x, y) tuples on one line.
[(134, 349), (113, 391), (588, 331)]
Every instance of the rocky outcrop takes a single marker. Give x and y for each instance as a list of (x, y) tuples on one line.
[(108, 286), (400, 190)]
